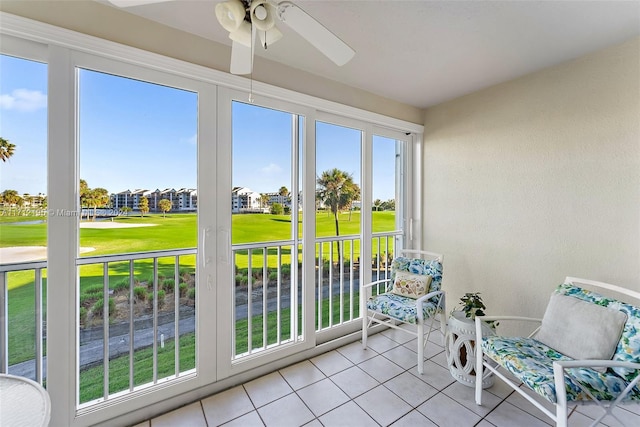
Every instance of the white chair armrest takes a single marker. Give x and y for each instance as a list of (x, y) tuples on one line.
[(377, 282), (430, 295), (593, 363), (423, 298), (501, 318)]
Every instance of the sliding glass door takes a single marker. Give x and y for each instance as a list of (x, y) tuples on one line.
[(262, 272), (138, 234)]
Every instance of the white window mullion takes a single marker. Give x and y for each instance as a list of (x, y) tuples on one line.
[(413, 192), (365, 204), (308, 167), (62, 192), (207, 248)]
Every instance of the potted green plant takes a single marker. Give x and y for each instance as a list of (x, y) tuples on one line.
[(460, 339), (472, 306)]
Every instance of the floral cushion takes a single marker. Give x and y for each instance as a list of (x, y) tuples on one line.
[(628, 349), (399, 307), (431, 268), (529, 360)]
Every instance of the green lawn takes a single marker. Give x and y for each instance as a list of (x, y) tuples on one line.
[(179, 231)]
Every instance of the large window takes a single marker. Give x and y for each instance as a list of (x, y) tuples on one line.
[(138, 233), (23, 215)]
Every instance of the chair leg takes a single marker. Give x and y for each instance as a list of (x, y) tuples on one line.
[(479, 368), (420, 348), (479, 375), (365, 325), (562, 415)]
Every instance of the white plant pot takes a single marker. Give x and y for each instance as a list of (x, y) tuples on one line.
[(460, 349)]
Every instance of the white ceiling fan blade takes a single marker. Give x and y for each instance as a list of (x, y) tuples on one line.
[(129, 3), (315, 33), (240, 59), (242, 56)]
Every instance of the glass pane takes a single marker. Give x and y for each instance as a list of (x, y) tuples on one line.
[(138, 168), (387, 172), (262, 149), (338, 205), (23, 209), (266, 256), (338, 153)]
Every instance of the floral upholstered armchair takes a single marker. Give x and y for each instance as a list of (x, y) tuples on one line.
[(585, 352), (411, 295)]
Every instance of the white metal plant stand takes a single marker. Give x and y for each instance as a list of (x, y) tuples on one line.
[(460, 349)]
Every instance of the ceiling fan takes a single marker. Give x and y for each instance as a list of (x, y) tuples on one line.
[(246, 19)]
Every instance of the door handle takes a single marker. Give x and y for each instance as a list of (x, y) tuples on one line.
[(225, 239), (205, 232)]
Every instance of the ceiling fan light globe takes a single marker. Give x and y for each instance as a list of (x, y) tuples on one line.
[(242, 35), (260, 12), (262, 15), (230, 14)]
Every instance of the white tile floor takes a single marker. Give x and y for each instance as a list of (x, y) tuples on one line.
[(379, 386)]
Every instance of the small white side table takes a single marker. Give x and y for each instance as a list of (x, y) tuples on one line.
[(460, 349), (23, 402)]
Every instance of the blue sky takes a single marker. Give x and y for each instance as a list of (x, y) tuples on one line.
[(23, 121), (141, 135)]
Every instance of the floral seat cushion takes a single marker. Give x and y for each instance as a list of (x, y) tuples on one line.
[(530, 361), (400, 307)]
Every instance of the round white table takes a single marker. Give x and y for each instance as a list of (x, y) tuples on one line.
[(460, 349), (23, 402)]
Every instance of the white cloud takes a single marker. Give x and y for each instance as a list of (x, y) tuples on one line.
[(271, 169), (23, 100)]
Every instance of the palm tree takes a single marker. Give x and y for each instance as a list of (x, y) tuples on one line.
[(84, 192), (165, 206), (10, 197), (102, 199), (283, 192), (337, 191), (143, 205), (264, 200), (6, 149), (355, 196), (96, 197)]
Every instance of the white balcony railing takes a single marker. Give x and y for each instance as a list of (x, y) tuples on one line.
[(134, 291), (35, 370), (134, 315), (268, 279)]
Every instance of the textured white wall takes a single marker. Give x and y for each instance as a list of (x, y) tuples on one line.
[(536, 179)]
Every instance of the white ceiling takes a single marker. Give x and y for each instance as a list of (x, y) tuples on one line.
[(425, 52)]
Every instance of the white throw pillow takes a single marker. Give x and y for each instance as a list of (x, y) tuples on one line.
[(410, 284), (580, 329)]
